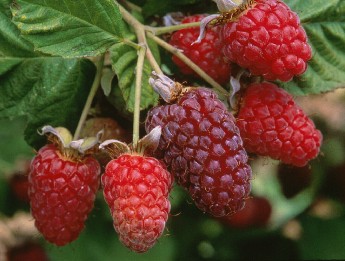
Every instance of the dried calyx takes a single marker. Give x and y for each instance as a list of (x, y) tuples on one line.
[(226, 5), (232, 14), (145, 146), (168, 89), (69, 148), (229, 10)]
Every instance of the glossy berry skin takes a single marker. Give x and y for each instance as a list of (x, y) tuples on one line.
[(62, 194), (269, 40), (207, 54), (203, 149), (272, 124), (136, 188)]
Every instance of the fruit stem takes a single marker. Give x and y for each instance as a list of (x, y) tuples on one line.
[(131, 6), (132, 44), (140, 33), (189, 62), (138, 82), (92, 93), (169, 29)]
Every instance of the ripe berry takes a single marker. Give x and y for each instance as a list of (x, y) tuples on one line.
[(136, 189), (207, 54), (255, 213), (62, 193), (203, 149), (271, 124), (269, 40)]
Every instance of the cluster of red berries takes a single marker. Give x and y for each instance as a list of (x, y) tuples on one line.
[(266, 38), (65, 177), (202, 144), (194, 137), (263, 36)]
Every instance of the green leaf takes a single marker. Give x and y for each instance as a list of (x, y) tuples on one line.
[(124, 60), (5, 7), (324, 22), (12, 144), (13, 48), (69, 28), (12, 44), (46, 90)]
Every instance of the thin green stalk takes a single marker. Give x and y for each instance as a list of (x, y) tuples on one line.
[(94, 88), (169, 29), (189, 62), (139, 29), (132, 44), (138, 83), (132, 6)]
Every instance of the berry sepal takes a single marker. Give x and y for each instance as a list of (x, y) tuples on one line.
[(229, 11), (168, 89), (145, 146), (226, 5), (62, 137)]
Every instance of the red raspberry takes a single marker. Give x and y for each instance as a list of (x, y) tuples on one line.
[(269, 40), (136, 189), (256, 213), (207, 54), (62, 193), (271, 124), (202, 146)]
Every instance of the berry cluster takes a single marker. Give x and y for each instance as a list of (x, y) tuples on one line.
[(64, 180), (193, 135), (263, 36), (266, 38)]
